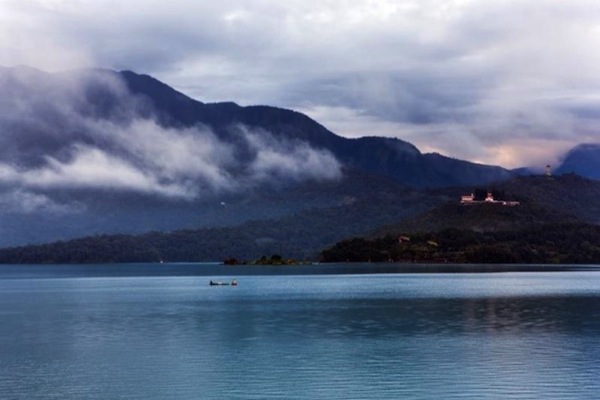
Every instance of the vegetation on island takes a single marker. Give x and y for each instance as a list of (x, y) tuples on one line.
[(560, 243), (275, 259)]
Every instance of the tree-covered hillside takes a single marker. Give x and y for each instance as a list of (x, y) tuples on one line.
[(360, 208), (556, 243), (557, 220), (300, 236)]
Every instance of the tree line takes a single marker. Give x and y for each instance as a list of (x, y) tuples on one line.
[(561, 243)]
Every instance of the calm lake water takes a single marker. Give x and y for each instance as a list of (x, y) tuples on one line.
[(161, 332)]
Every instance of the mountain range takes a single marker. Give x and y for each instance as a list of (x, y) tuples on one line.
[(95, 152), (583, 160)]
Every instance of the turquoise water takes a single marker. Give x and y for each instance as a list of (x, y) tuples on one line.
[(161, 332)]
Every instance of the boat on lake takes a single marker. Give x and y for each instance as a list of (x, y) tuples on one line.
[(222, 283)]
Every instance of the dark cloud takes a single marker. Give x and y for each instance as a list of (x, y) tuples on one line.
[(436, 73)]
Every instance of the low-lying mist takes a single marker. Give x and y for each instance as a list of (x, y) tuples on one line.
[(86, 130)]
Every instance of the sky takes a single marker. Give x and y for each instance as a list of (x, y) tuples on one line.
[(506, 82)]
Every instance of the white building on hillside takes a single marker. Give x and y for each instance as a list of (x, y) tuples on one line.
[(489, 199)]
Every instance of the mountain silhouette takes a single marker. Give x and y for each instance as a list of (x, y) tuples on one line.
[(583, 160), (95, 151)]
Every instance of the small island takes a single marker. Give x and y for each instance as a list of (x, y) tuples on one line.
[(275, 259)]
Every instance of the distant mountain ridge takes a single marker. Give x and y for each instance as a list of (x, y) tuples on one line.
[(92, 152), (388, 156), (583, 160), (98, 151), (384, 156)]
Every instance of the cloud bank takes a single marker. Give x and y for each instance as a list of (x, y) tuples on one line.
[(512, 82), (56, 139)]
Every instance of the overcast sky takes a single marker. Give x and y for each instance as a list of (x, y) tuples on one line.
[(495, 81)]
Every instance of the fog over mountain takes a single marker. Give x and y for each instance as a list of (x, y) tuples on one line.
[(85, 129), (99, 151)]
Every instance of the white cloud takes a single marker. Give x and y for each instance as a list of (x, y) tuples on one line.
[(172, 155), (281, 159), (54, 140), (21, 201), (169, 163), (417, 68), (88, 168)]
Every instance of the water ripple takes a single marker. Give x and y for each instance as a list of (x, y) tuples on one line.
[(508, 336)]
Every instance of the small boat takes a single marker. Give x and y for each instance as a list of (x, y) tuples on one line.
[(221, 283)]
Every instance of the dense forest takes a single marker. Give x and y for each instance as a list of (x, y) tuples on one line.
[(566, 243)]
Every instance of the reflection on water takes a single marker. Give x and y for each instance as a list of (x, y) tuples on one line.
[(515, 335)]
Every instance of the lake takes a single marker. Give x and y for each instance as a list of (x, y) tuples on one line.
[(309, 332)]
